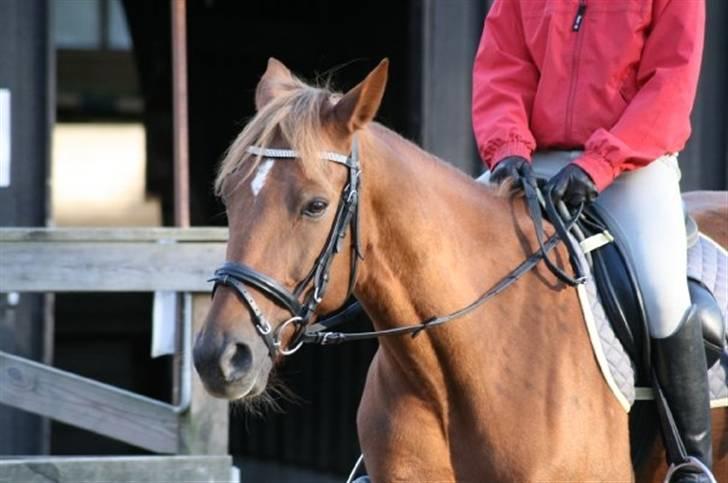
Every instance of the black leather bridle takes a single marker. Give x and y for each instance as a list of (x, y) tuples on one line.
[(313, 287)]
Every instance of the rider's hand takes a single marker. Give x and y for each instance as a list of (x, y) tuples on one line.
[(512, 167), (572, 185)]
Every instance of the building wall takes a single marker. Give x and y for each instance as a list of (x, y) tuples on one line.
[(24, 72)]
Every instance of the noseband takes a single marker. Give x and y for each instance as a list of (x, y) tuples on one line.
[(313, 287)]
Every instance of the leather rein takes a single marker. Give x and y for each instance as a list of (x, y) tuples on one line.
[(313, 287)]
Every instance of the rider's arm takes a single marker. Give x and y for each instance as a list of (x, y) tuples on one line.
[(657, 119), (504, 84)]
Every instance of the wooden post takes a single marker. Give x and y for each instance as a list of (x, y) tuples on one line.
[(204, 427), (180, 120), (179, 106)]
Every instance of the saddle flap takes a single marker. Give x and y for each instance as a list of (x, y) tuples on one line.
[(622, 301)]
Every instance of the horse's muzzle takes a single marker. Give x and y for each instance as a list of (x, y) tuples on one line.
[(225, 366)]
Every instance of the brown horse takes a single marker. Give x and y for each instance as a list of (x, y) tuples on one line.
[(511, 392)]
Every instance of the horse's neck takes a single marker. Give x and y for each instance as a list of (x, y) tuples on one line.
[(435, 241)]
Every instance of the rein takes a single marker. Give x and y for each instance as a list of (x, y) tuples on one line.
[(236, 275), (317, 333)]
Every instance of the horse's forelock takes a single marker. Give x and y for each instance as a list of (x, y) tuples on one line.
[(295, 115)]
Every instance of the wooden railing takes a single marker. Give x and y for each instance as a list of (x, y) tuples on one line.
[(118, 260)]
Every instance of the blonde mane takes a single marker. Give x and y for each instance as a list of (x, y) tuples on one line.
[(294, 114)]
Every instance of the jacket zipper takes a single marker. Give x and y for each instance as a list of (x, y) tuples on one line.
[(575, 27), (579, 18)]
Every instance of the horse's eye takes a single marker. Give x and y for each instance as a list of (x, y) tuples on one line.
[(316, 207)]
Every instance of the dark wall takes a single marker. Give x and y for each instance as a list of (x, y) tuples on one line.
[(24, 36), (106, 337), (449, 33), (704, 161), (24, 69), (228, 47), (230, 43)]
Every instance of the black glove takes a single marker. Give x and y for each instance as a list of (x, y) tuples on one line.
[(572, 185), (513, 167)]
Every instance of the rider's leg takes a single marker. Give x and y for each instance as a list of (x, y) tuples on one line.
[(647, 207)]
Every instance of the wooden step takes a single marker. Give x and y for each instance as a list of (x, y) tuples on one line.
[(119, 469)]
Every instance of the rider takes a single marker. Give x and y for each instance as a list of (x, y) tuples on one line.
[(613, 83)]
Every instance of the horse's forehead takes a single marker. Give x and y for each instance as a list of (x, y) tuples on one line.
[(272, 179)]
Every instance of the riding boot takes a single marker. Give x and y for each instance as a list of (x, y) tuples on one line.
[(679, 362)]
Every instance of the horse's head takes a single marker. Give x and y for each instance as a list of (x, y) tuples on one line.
[(285, 182)]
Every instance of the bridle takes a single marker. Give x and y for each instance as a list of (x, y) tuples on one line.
[(313, 287)]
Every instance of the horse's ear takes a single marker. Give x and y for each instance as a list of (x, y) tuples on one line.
[(359, 106), (270, 85)]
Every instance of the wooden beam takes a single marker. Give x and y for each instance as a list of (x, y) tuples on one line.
[(72, 469), (102, 266), (146, 234), (88, 404)]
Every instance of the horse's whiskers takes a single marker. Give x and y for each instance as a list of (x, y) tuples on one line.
[(275, 393)]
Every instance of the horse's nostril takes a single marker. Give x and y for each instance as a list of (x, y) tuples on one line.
[(242, 359), (236, 361)]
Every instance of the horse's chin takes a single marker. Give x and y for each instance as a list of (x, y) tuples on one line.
[(248, 388), (253, 391)]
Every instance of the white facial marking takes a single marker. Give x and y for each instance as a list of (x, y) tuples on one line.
[(260, 176)]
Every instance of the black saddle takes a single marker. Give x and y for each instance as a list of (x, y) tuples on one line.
[(623, 303)]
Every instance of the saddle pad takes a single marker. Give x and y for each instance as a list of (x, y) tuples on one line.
[(707, 262)]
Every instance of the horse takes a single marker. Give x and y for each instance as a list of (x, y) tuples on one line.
[(508, 392)]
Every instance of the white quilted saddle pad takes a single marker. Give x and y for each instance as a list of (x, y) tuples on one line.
[(707, 262)]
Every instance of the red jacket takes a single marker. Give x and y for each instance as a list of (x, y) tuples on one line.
[(614, 77)]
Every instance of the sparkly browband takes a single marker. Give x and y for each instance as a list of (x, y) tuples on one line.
[(289, 153)]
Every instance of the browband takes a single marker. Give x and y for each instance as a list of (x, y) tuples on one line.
[(290, 153)]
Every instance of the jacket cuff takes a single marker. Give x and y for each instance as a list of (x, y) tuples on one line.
[(599, 169), (511, 148)]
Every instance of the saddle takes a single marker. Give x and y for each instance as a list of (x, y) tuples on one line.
[(623, 303)]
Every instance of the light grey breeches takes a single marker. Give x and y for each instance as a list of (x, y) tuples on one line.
[(646, 206)]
